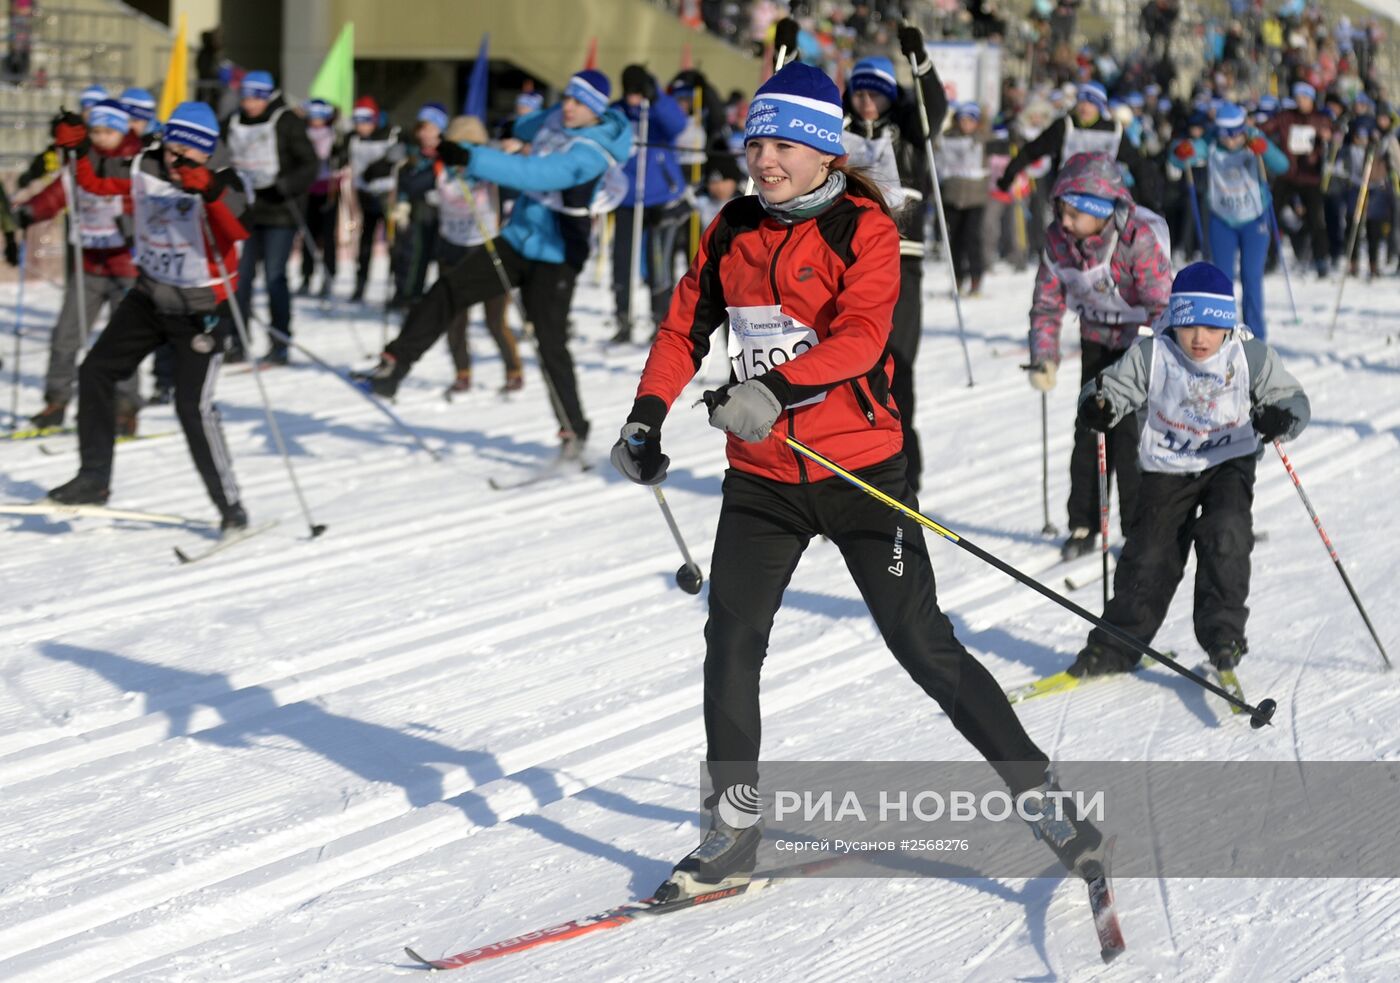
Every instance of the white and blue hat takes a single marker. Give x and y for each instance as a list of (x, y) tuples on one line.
[(1304, 90), (319, 109), (139, 104), (256, 85), (798, 104), (1095, 93), (875, 75), (91, 96), (1230, 119), (194, 125), (434, 113), (969, 109), (1095, 205), (592, 88), (111, 114), (1202, 295)]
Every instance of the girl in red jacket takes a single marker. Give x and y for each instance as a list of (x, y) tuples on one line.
[(807, 274)]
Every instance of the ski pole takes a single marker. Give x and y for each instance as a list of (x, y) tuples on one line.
[(489, 241), (688, 577), (1259, 715), (19, 330), (1331, 550), (1351, 240), (75, 239), (394, 418), (1101, 439), (246, 340), (634, 268), (1049, 528), (1278, 240), (777, 64), (942, 220), (1201, 245)]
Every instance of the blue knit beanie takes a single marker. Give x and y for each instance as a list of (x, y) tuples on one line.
[(111, 114), (434, 113), (1303, 90), (1202, 295), (875, 75), (319, 109), (1095, 93), (1230, 119), (592, 88), (798, 104), (139, 104), (91, 96), (969, 109), (194, 125), (256, 85)]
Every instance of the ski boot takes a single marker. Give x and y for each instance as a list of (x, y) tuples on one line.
[(50, 416), (1099, 660), (724, 858), (515, 381), (382, 380), (234, 519), (461, 384), (1076, 843), (1225, 656), (276, 356), (82, 490), (1080, 543)]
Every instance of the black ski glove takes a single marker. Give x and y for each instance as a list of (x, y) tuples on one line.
[(1004, 182), (1272, 422), (454, 154), (1095, 416), (379, 169), (637, 454), (785, 36), (911, 43)]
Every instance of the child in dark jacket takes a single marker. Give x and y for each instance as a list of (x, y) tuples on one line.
[(1209, 395)]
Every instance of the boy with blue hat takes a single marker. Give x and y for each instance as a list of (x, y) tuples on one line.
[(322, 197), (885, 137), (374, 151), (186, 203), (963, 173), (140, 105), (271, 150), (1209, 396), (415, 214)]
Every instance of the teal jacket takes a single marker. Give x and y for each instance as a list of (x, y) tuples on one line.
[(1275, 162)]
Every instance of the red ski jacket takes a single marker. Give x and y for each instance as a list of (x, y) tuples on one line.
[(113, 261), (812, 304)]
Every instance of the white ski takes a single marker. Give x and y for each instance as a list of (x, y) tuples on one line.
[(225, 541), (54, 510)]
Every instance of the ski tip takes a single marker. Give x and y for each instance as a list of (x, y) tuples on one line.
[(427, 963), (181, 555)]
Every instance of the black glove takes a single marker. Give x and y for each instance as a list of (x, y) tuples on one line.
[(24, 218), (1095, 416), (637, 454), (785, 36), (454, 154), (1004, 182), (380, 168), (637, 81), (1272, 421), (911, 43), (11, 249)]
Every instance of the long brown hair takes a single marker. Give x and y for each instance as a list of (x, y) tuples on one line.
[(862, 185)]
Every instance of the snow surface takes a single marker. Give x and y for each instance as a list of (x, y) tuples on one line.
[(465, 714)]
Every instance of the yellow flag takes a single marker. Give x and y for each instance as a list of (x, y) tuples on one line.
[(177, 86)]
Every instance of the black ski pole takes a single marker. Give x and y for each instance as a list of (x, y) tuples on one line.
[(688, 577), (19, 330), (1049, 528), (1259, 715), (1101, 441), (377, 404), (1331, 551), (247, 342)]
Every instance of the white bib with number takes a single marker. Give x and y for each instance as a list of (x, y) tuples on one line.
[(961, 157), (762, 337), (1197, 412), (1234, 185), (876, 158), (97, 216), (1301, 139), (1093, 293), (169, 238), (365, 152), (458, 215), (1084, 140), (254, 150)]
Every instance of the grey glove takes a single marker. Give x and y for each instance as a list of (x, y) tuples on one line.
[(747, 409), (637, 455)]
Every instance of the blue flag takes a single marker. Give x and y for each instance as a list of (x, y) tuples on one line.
[(475, 103)]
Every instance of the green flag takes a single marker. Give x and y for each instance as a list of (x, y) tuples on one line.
[(335, 81)]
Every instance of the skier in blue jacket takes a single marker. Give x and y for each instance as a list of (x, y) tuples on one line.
[(663, 199), (543, 245), (1239, 201)]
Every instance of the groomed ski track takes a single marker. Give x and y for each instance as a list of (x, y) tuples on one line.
[(463, 714)]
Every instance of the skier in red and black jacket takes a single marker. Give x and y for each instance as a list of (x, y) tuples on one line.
[(807, 274)]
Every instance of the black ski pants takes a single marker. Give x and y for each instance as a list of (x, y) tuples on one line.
[(1213, 510), (135, 330), (764, 526), (546, 290), (904, 347), (1122, 450), (965, 240), (371, 214)]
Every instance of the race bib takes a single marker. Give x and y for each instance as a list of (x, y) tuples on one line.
[(1301, 139), (1234, 186), (762, 338), (169, 236), (254, 150), (461, 219)]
